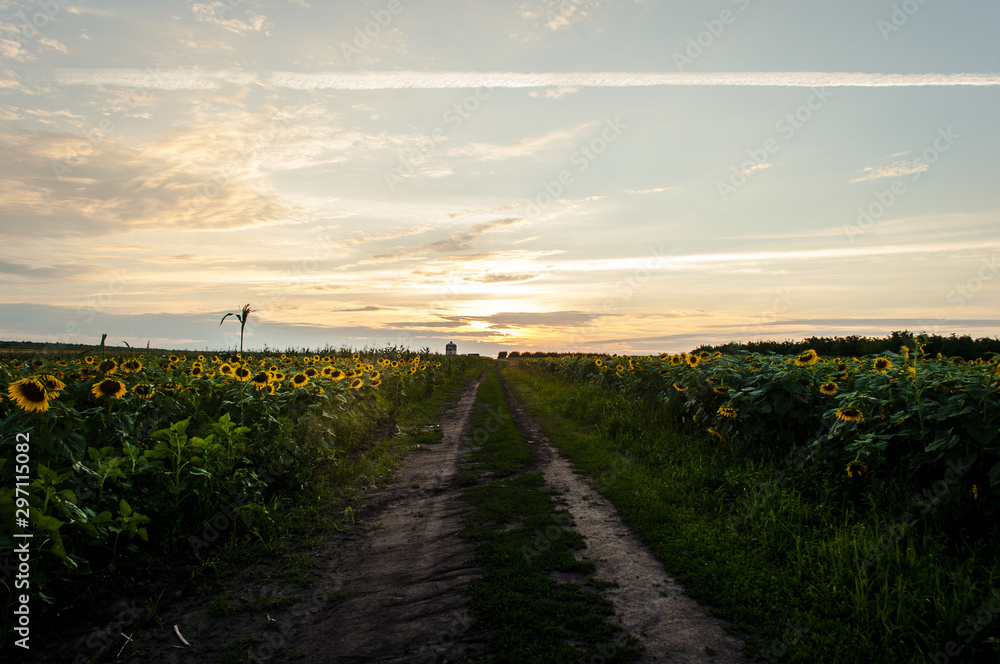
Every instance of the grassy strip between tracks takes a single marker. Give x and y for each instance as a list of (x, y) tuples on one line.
[(772, 548), (522, 538)]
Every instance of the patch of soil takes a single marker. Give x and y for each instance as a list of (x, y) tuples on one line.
[(649, 603)]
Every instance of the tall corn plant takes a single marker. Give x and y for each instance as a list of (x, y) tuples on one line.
[(242, 319)]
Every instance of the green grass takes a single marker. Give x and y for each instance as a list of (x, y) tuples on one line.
[(771, 545), (522, 538)]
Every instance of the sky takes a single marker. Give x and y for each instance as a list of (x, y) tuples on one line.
[(619, 176)]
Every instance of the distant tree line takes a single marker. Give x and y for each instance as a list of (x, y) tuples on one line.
[(851, 346), (855, 346)]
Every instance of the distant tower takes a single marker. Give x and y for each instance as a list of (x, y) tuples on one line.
[(450, 348)]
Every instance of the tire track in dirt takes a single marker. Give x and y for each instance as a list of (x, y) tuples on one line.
[(652, 606), (401, 582)]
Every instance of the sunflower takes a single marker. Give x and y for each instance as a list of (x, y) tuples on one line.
[(311, 372), (714, 433), (828, 389), (299, 379), (174, 359), (226, 369), (376, 382), (243, 374), (726, 411), (29, 394), (720, 389), (267, 389), (261, 380), (109, 387), (856, 468), (195, 371), (356, 383), (374, 376), (679, 387), (882, 365), (51, 383), (108, 366), (89, 359), (806, 358), (693, 361), (143, 390), (849, 414), (356, 357), (327, 371), (131, 366), (37, 364)]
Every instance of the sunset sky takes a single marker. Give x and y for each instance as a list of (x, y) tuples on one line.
[(625, 176)]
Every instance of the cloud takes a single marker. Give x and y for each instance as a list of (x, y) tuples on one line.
[(497, 277), (459, 242), (896, 169), (214, 13), (196, 79), (650, 191), (554, 93), (22, 270), (526, 147)]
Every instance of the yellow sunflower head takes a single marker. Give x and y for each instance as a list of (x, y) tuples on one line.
[(108, 388), (882, 365), (51, 383), (29, 394), (829, 388), (108, 366), (143, 390), (299, 379), (226, 369), (856, 469), (806, 358), (727, 411), (243, 374), (849, 414), (261, 380), (356, 383), (720, 389)]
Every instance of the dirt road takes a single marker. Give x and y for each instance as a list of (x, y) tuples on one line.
[(391, 589)]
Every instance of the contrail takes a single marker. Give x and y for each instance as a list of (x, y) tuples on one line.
[(194, 79)]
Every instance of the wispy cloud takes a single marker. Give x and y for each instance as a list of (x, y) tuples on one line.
[(196, 79), (894, 170), (655, 190)]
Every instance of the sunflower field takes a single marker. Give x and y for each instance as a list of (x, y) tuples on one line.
[(894, 415), (843, 508), (131, 454)]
